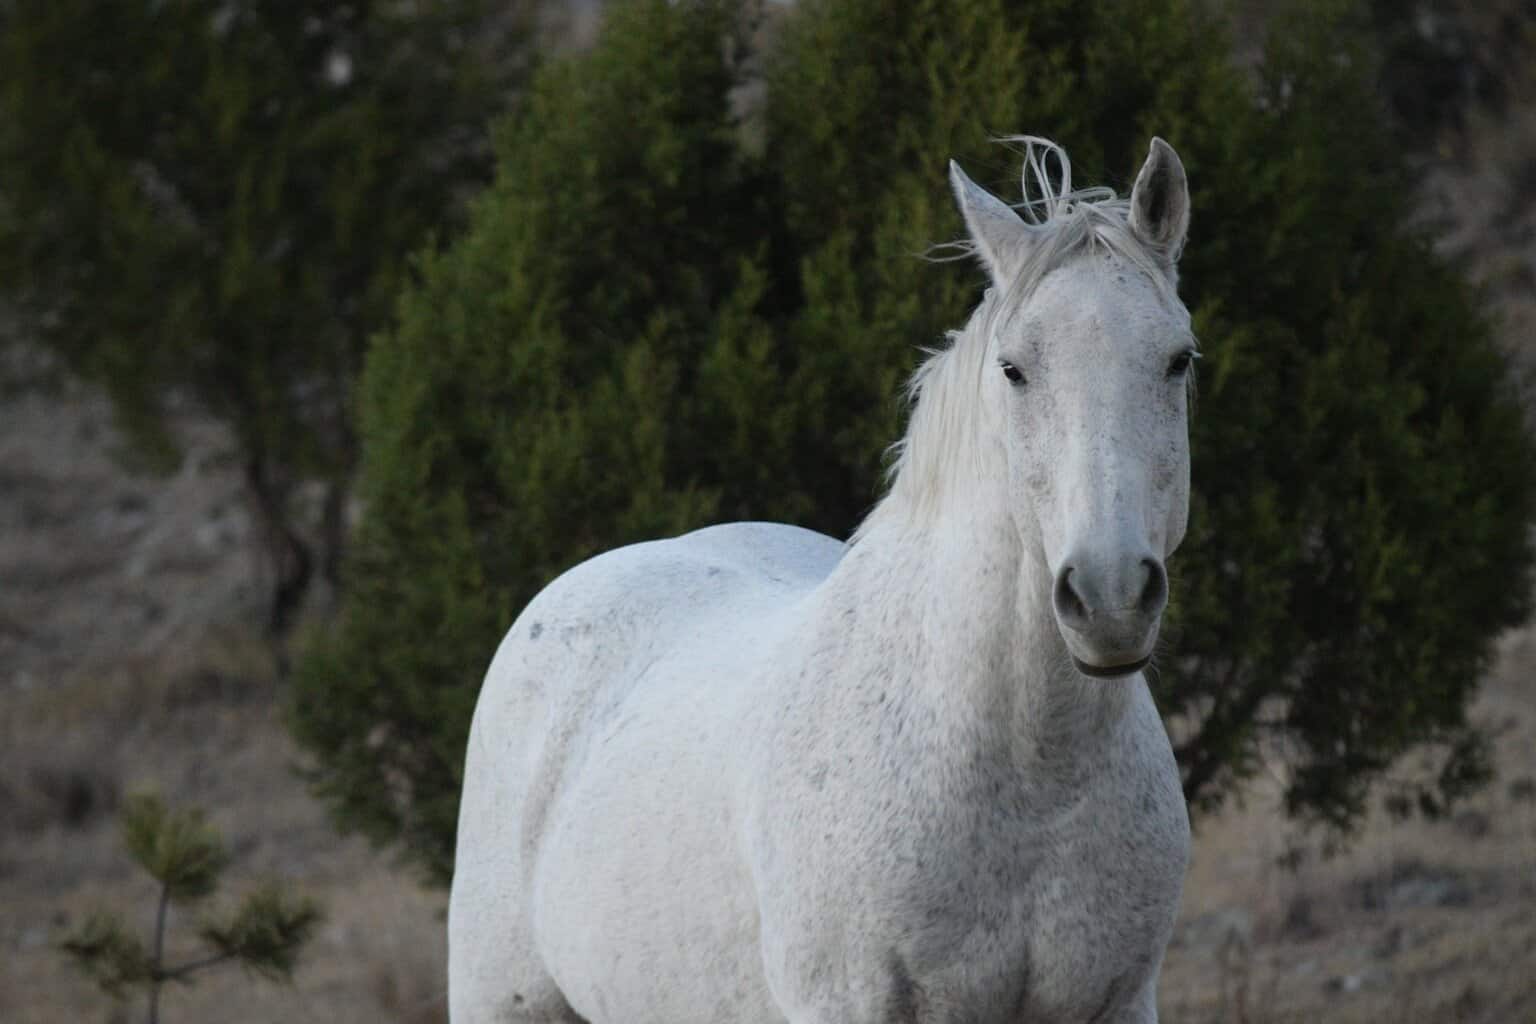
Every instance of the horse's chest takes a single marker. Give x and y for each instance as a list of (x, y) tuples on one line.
[(1007, 912), (1087, 916), (1100, 907)]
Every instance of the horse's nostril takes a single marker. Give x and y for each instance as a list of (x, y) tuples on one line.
[(1154, 593), (1070, 606)]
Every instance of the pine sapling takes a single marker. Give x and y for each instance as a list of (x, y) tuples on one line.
[(264, 933)]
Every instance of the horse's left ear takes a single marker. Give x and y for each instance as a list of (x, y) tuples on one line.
[(1160, 202), (996, 231)]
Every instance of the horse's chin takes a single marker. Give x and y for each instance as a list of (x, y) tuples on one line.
[(1111, 671)]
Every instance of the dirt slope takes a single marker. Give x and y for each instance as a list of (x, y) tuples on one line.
[(126, 664)]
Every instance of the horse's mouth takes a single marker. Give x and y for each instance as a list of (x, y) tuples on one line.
[(1110, 671)]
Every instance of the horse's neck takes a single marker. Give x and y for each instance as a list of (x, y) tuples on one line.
[(964, 604)]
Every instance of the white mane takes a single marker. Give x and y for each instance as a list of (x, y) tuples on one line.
[(943, 444)]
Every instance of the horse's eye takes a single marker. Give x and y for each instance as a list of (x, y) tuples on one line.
[(1180, 363), (1013, 373)]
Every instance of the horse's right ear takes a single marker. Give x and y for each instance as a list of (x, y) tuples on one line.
[(996, 231)]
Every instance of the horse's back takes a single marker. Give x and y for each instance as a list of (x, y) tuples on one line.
[(626, 606), (669, 580), (631, 658), (584, 635)]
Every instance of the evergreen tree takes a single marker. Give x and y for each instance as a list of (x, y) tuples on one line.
[(895, 88), (1363, 478), (214, 201), (1363, 461), (532, 406), (265, 933)]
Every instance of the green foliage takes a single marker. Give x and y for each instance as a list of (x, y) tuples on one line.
[(552, 351), (652, 325), (1360, 457), (214, 202), (264, 934), (177, 849), (107, 954), (898, 87)]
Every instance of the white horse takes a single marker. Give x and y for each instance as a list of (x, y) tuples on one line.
[(752, 774)]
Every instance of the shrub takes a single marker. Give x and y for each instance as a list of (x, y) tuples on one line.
[(532, 405), (653, 325), (213, 203)]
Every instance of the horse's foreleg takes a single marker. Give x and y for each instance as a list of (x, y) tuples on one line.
[(1142, 1009)]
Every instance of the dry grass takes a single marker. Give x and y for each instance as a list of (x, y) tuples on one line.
[(199, 728), (1414, 922)]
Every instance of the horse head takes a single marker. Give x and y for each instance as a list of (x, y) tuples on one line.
[(1087, 378)]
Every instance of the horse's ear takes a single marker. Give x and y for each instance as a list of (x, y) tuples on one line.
[(1160, 202), (997, 232)]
